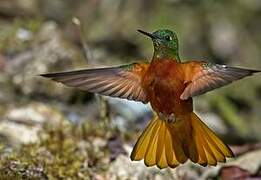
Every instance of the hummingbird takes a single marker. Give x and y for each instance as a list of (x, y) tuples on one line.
[(176, 133)]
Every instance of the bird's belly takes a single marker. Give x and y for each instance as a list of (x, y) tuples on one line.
[(164, 84), (166, 98)]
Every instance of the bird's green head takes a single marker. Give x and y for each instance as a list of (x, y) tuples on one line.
[(165, 43)]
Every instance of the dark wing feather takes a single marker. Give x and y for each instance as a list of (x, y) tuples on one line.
[(123, 81), (212, 76)]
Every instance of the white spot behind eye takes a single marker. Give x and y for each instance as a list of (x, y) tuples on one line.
[(168, 38)]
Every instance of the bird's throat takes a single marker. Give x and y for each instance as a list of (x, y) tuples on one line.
[(162, 53)]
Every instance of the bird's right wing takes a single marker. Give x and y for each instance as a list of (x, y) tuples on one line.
[(202, 77), (122, 81)]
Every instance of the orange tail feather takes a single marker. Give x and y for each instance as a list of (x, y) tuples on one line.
[(168, 144)]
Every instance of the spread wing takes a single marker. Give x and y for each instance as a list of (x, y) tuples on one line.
[(202, 77), (122, 81)]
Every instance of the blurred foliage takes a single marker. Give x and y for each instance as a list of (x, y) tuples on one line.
[(75, 151)]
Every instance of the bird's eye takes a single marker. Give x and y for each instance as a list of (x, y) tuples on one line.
[(168, 38)]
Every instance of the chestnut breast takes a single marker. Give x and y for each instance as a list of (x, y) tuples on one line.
[(164, 83)]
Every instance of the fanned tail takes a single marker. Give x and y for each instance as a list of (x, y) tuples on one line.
[(168, 144), (210, 148)]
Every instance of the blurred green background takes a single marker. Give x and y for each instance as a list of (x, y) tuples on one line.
[(49, 131)]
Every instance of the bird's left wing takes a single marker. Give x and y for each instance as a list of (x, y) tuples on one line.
[(122, 81), (201, 77)]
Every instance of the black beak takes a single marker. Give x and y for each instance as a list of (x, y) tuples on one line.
[(147, 34)]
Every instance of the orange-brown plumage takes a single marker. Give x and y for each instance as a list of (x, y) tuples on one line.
[(176, 133), (164, 84)]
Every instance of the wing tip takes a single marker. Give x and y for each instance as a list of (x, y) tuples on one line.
[(50, 75), (43, 75), (255, 71)]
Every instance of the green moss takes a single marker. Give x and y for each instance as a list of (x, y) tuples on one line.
[(66, 151)]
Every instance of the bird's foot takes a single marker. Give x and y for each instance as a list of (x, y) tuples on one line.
[(170, 118)]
